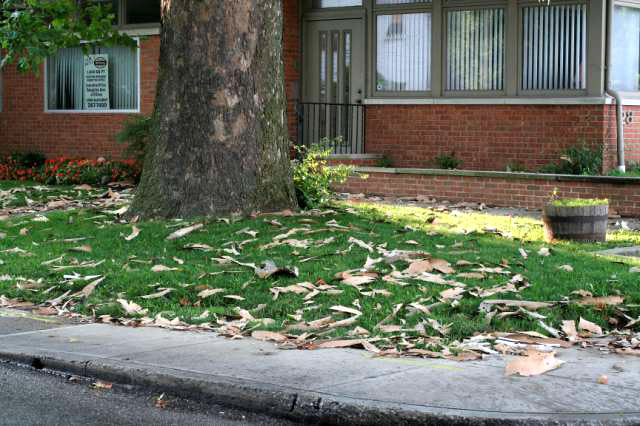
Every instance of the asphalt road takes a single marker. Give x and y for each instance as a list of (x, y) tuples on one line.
[(36, 397), (30, 397)]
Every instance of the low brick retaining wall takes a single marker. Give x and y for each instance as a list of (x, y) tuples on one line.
[(527, 190)]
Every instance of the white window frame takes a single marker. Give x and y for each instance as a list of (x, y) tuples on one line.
[(93, 111)]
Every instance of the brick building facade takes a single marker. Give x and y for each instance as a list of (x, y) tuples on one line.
[(485, 130)]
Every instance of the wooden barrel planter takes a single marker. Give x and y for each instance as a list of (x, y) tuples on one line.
[(576, 223)]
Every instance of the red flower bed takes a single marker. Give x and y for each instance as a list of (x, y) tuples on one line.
[(71, 171)]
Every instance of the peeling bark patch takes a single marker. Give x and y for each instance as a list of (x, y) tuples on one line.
[(240, 125), (220, 132)]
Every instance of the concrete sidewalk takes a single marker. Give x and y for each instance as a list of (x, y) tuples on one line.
[(337, 386)]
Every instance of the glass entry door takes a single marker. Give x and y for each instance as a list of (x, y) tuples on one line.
[(333, 75)]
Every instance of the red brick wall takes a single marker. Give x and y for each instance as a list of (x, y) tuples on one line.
[(24, 126), (484, 137), (631, 136), (292, 62), (495, 191)]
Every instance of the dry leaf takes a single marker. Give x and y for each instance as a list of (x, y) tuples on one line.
[(269, 336), (102, 385), (419, 267), (346, 310), (159, 294), (486, 305), (210, 292), (332, 344), (234, 297), (534, 364), (589, 326), (134, 233), (523, 253), (162, 268), (89, 288), (635, 269), (184, 231), (566, 268), (358, 280), (82, 249), (601, 301), (198, 246), (472, 275), (569, 329), (452, 294), (544, 251), (132, 308), (361, 244)]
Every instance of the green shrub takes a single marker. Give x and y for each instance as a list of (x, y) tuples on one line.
[(577, 160), (385, 161), (633, 170), (448, 161), (28, 159), (312, 176), (516, 167), (136, 133)]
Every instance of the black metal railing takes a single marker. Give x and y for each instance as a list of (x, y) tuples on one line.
[(340, 127)]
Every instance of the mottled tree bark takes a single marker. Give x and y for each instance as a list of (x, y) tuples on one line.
[(220, 139)]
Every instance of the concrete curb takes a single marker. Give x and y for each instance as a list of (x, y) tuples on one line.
[(294, 404)]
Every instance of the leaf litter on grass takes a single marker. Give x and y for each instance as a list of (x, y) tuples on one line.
[(355, 307)]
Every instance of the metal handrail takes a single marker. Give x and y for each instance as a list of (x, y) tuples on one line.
[(340, 127)]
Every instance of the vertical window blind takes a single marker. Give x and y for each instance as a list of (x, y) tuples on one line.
[(625, 57), (65, 78), (403, 54), (475, 50), (554, 47)]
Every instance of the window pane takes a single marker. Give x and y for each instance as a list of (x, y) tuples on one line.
[(143, 11), (404, 52), (475, 50), (336, 3), (625, 57), (554, 47), (401, 1), (65, 78)]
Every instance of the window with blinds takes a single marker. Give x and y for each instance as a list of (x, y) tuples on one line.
[(625, 55), (321, 4), (65, 79), (403, 52), (554, 47), (475, 50)]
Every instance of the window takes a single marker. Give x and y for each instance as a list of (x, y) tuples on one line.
[(475, 50), (554, 47), (134, 12), (65, 80), (321, 4), (403, 53), (401, 1), (142, 12), (625, 57)]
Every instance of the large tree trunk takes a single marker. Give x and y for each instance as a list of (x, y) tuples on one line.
[(220, 139)]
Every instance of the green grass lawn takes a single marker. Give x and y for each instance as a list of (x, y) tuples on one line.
[(22, 194), (33, 273)]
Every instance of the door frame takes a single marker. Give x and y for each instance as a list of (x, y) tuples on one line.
[(334, 15)]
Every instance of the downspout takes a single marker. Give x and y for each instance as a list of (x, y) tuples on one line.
[(614, 93)]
